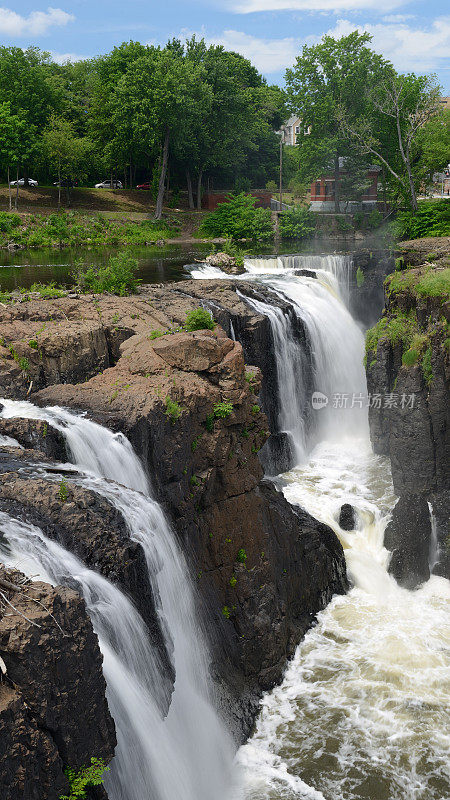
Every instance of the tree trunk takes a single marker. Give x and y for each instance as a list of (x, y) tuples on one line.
[(199, 189), (412, 188), (59, 184), (337, 186), (189, 189), (162, 177), (9, 192), (25, 177)]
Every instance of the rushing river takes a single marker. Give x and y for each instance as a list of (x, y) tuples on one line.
[(362, 713)]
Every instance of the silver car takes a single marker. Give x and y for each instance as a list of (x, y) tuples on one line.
[(107, 185), (21, 182)]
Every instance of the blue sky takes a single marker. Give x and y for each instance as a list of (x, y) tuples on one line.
[(414, 34)]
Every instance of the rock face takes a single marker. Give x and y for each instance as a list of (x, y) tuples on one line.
[(408, 537), (347, 517), (413, 426), (367, 298), (193, 411), (53, 711)]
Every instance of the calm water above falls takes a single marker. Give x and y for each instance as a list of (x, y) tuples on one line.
[(362, 713)]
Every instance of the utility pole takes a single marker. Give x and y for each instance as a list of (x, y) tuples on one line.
[(281, 169)]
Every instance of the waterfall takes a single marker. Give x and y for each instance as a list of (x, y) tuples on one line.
[(361, 712), (188, 753)]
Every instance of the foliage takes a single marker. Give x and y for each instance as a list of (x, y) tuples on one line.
[(86, 777), (118, 277), (199, 319), (431, 219), (239, 219), (297, 224), (360, 277), (8, 222), (399, 328), (173, 410), (62, 491), (434, 282), (223, 410), (241, 557), (427, 368)]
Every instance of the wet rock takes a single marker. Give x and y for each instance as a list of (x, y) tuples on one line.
[(408, 537), (36, 435), (224, 262), (53, 710), (347, 517)]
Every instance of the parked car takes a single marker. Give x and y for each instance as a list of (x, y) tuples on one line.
[(107, 185), (65, 182), (21, 182), (147, 186)]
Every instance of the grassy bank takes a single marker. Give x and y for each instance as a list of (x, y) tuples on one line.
[(72, 229)]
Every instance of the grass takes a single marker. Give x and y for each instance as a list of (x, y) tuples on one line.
[(72, 229), (399, 328), (431, 283)]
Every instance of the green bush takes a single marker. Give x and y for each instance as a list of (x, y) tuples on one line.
[(8, 221), (400, 328), (271, 187), (344, 224), (85, 778), (173, 410), (223, 410), (199, 319), (374, 219), (297, 224), (410, 357), (431, 219), (360, 277), (241, 557), (238, 218), (118, 277)]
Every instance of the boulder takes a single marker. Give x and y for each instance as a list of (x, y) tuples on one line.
[(408, 538), (347, 517)]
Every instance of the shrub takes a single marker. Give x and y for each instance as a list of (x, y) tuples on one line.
[(410, 357), (431, 219), (48, 291), (241, 557), (360, 277), (223, 410), (173, 410), (85, 778), (238, 218), (118, 277), (374, 219), (8, 221), (199, 319), (297, 224), (344, 224), (399, 328), (62, 491), (271, 186)]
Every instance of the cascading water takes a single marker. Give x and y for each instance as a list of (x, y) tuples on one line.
[(361, 713), (186, 754)]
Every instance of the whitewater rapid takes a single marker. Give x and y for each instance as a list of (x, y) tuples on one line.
[(186, 753), (362, 713)]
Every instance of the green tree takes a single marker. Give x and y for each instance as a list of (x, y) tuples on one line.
[(26, 83), (328, 82), (398, 108), (12, 140), (65, 151)]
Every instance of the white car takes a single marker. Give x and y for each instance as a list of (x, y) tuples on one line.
[(107, 185), (21, 182)]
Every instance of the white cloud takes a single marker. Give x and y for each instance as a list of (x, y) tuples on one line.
[(267, 55), (410, 49), (35, 24), (251, 6), (63, 58)]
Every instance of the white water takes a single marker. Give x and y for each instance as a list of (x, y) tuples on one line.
[(188, 753), (362, 713)]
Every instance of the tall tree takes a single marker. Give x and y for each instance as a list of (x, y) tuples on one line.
[(13, 140), (405, 103), (65, 151), (329, 80)]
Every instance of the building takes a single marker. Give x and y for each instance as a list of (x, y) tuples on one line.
[(290, 130), (322, 193)]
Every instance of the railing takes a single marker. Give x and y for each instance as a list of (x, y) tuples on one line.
[(275, 205)]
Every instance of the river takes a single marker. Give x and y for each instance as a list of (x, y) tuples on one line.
[(362, 712)]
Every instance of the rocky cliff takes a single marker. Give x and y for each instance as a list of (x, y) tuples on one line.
[(408, 371), (193, 410), (53, 711)]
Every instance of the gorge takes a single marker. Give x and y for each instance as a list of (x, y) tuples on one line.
[(162, 492)]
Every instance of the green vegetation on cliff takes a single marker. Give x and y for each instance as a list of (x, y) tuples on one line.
[(432, 218)]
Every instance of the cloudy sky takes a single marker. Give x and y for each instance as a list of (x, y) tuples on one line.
[(414, 34)]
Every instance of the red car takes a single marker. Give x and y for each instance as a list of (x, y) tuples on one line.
[(147, 186)]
